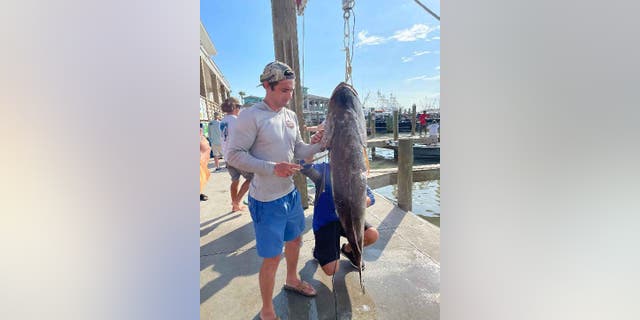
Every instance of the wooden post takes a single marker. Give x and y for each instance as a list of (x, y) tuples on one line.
[(373, 153), (395, 125), (405, 173), (372, 121), (285, 43), (413, 120)]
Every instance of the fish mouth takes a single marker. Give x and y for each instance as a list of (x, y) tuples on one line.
[(343, 96), (344, 85)]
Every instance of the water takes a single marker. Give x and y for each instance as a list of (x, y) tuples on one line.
[(425, 194), (384, 157), (426, 197)]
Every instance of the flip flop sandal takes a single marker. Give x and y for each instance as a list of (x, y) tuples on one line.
[(300, 289)]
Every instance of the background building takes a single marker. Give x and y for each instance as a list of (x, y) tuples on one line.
[(214, 88), (314, 108)]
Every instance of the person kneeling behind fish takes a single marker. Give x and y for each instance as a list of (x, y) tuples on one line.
[(326, 224)]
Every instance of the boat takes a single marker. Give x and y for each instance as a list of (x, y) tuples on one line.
[(429, 152), (426, 152)]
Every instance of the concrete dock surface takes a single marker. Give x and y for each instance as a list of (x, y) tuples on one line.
[(401, 278)]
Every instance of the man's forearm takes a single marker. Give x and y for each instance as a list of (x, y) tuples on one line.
[(304, 150), (244, 161)]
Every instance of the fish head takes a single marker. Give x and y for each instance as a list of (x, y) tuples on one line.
[(345, 109), (344, 97)]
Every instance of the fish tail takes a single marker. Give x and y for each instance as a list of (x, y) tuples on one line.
[(361, 282), (359, 247)]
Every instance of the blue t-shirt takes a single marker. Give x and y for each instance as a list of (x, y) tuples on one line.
[(324, 211)]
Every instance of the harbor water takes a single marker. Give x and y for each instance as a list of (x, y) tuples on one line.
[(425, 197), (425, 194)]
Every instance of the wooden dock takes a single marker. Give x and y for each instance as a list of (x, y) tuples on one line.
[(384, 141), (420, 152), (378, 178)]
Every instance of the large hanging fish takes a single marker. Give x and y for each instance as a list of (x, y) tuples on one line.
[(346, 138)]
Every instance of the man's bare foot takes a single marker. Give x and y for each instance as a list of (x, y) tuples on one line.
[(268, 315), (238, 207)]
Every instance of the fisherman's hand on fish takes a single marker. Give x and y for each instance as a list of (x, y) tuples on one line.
[(317, 137), (286, 169)]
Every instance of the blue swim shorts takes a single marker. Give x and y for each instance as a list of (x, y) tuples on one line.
[(276, 222)]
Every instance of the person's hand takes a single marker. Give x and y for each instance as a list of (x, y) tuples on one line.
[(317, 137), (286, 169), (368, 202)]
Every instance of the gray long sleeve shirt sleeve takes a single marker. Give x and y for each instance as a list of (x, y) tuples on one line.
[(261, 138)]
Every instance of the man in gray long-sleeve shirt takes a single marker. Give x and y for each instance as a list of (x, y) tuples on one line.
[(265, 140)]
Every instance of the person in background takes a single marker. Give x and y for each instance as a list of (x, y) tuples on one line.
[(215, 139), (434, 129), (204, 161), (231, 106), (423, 122)]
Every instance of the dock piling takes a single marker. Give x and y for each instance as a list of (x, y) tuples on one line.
[(395, 125), (413, 120), (372, 123), (405, 174)]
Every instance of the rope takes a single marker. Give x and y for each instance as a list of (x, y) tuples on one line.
[(300, 7), (302, 69), (347, 6)]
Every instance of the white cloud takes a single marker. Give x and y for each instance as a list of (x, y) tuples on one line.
[(438, 68), (417, 31), (436, 38), (424, 78), (363, 40), (415, 54)]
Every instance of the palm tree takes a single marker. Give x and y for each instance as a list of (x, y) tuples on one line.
[(242, 94)]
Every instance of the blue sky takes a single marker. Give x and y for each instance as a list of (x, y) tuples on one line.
[(397, 46)]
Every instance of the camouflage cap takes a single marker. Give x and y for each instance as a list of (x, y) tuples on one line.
[(276, 71)]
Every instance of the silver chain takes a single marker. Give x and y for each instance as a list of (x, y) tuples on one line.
[(347, 6)]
